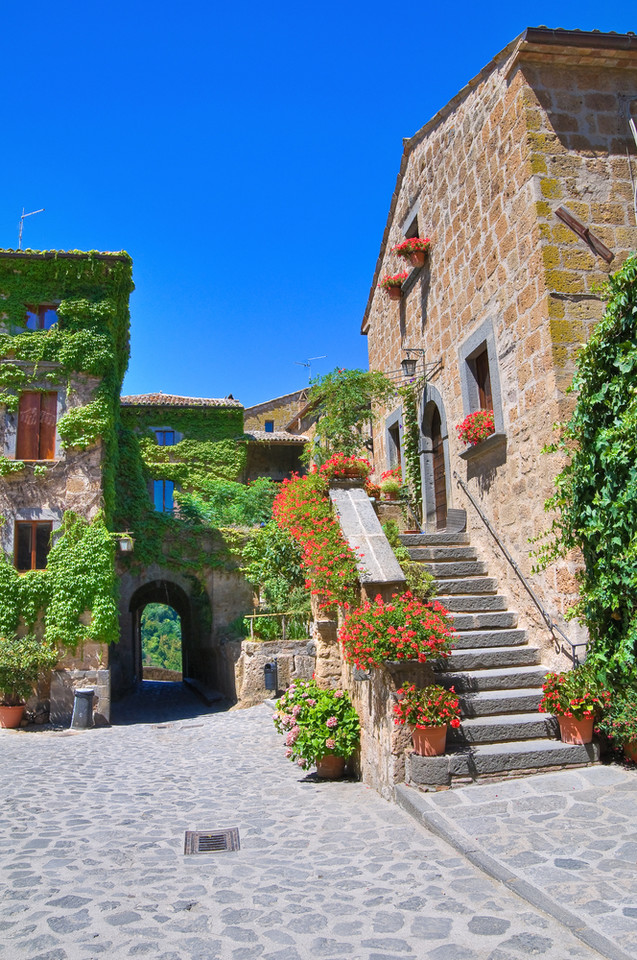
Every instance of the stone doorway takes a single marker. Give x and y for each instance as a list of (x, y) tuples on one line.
[(434, 461)]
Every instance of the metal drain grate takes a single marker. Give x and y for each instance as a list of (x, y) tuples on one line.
[(217, 841)]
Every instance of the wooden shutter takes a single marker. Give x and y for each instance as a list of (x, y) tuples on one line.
[(483, 380), (48, 417), (28, 443)]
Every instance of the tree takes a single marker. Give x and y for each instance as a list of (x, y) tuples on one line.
[(344, 399)]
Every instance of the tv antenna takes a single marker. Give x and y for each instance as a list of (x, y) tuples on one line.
[(308, 364), (22, 219)]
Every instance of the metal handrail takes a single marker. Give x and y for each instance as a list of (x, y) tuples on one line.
[(548, 620)]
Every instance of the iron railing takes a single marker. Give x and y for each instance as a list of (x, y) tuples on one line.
[(546, 617), (284, 618)]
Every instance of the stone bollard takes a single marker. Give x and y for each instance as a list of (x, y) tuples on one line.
[(82, 717)]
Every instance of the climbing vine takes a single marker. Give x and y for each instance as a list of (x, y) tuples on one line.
[(596, 493), (411, 438)]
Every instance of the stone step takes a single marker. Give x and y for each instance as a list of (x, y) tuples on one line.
[(486, 657), (432, 539), (460, 568), (471, 639), (443, 554), (511, 726), (485, 621), (490, 702), (493, 758), (470, 585), (472, 604), (507, 678)]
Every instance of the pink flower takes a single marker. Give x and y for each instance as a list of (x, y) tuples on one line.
[(330, 743), (296, 709), (288, 754), (332, 722)]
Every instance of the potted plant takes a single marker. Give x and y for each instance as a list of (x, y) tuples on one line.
[(342, 467), (577, 699), (392, 284), (22, 660), (476, 427), (320, 726), (620, 723), (391, 483), (413, 249), (404, 628), (429, 711)]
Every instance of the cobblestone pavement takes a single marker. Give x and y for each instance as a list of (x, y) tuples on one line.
[(571, 837), (92, 865)]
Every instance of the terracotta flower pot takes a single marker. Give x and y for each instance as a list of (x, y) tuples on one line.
[(11, 717), (417, 258), (330, 767), (575, 731), (429, 741), (630, 751), (390, 496), (395, 293)]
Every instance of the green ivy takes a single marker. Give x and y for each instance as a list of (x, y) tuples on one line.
[(596, 493), (411, 438)]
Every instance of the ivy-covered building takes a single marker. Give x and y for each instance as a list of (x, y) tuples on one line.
[(81, 466)]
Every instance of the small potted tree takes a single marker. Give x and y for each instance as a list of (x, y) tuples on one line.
[(620, 723), (22, 660)]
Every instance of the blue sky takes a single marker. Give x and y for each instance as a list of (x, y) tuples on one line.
[(244, 155)]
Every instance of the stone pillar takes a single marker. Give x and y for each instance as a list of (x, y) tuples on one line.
[(329, 664)]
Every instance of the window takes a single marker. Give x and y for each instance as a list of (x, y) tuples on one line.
[(41, 317), (165, 438), (394, 445), (32, 544), (480, 367), (37, 415), (163, 495), (269, 426)]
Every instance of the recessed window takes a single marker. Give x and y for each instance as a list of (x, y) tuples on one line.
[(37, 415), (480, 367), (163, 495), (41, 317), (394, 445), (165, 438), (32, 544), (269, 426)]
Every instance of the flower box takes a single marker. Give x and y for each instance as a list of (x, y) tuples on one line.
[(414, 249)]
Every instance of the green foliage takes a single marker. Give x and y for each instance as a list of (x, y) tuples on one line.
[(344, 399), (316, 723), (411, 438), (81, 570), (272, 564), (620, 722), (22, 660), (576, 693), (9, 467), (596, 493), (223, 503), (161, 637), (419, 582)]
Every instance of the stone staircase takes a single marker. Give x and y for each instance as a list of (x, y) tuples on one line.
[(496, 673)]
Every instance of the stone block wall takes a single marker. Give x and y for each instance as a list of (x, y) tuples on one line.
[(533, 132), (244, 663)]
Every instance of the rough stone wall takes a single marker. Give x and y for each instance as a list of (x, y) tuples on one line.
[(73, 481), (280, 409), (485, 177), (275, 460), (244, 662)]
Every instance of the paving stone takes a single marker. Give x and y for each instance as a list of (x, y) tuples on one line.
[(325, 870), (488, 926)]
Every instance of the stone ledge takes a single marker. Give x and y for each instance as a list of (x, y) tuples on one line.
[(494, 442)]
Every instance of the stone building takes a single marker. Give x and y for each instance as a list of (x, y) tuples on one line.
[(525, 184)]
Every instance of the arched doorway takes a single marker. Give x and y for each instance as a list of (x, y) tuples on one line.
[(434, 461), (161, 642), (168, 594)]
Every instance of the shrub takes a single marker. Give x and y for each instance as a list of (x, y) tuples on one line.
[(22, 660), (316, 723)]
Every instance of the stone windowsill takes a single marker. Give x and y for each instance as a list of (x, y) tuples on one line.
[(494, 442)]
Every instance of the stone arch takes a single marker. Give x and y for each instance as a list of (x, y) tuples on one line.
[(434, 453), (190, 600)]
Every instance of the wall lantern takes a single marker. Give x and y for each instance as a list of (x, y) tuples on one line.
[(126, 542), (409, 364)]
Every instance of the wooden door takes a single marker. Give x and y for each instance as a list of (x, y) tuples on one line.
[(440, 479)]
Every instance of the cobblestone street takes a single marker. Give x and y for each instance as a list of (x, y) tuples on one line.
[(92, 862)]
